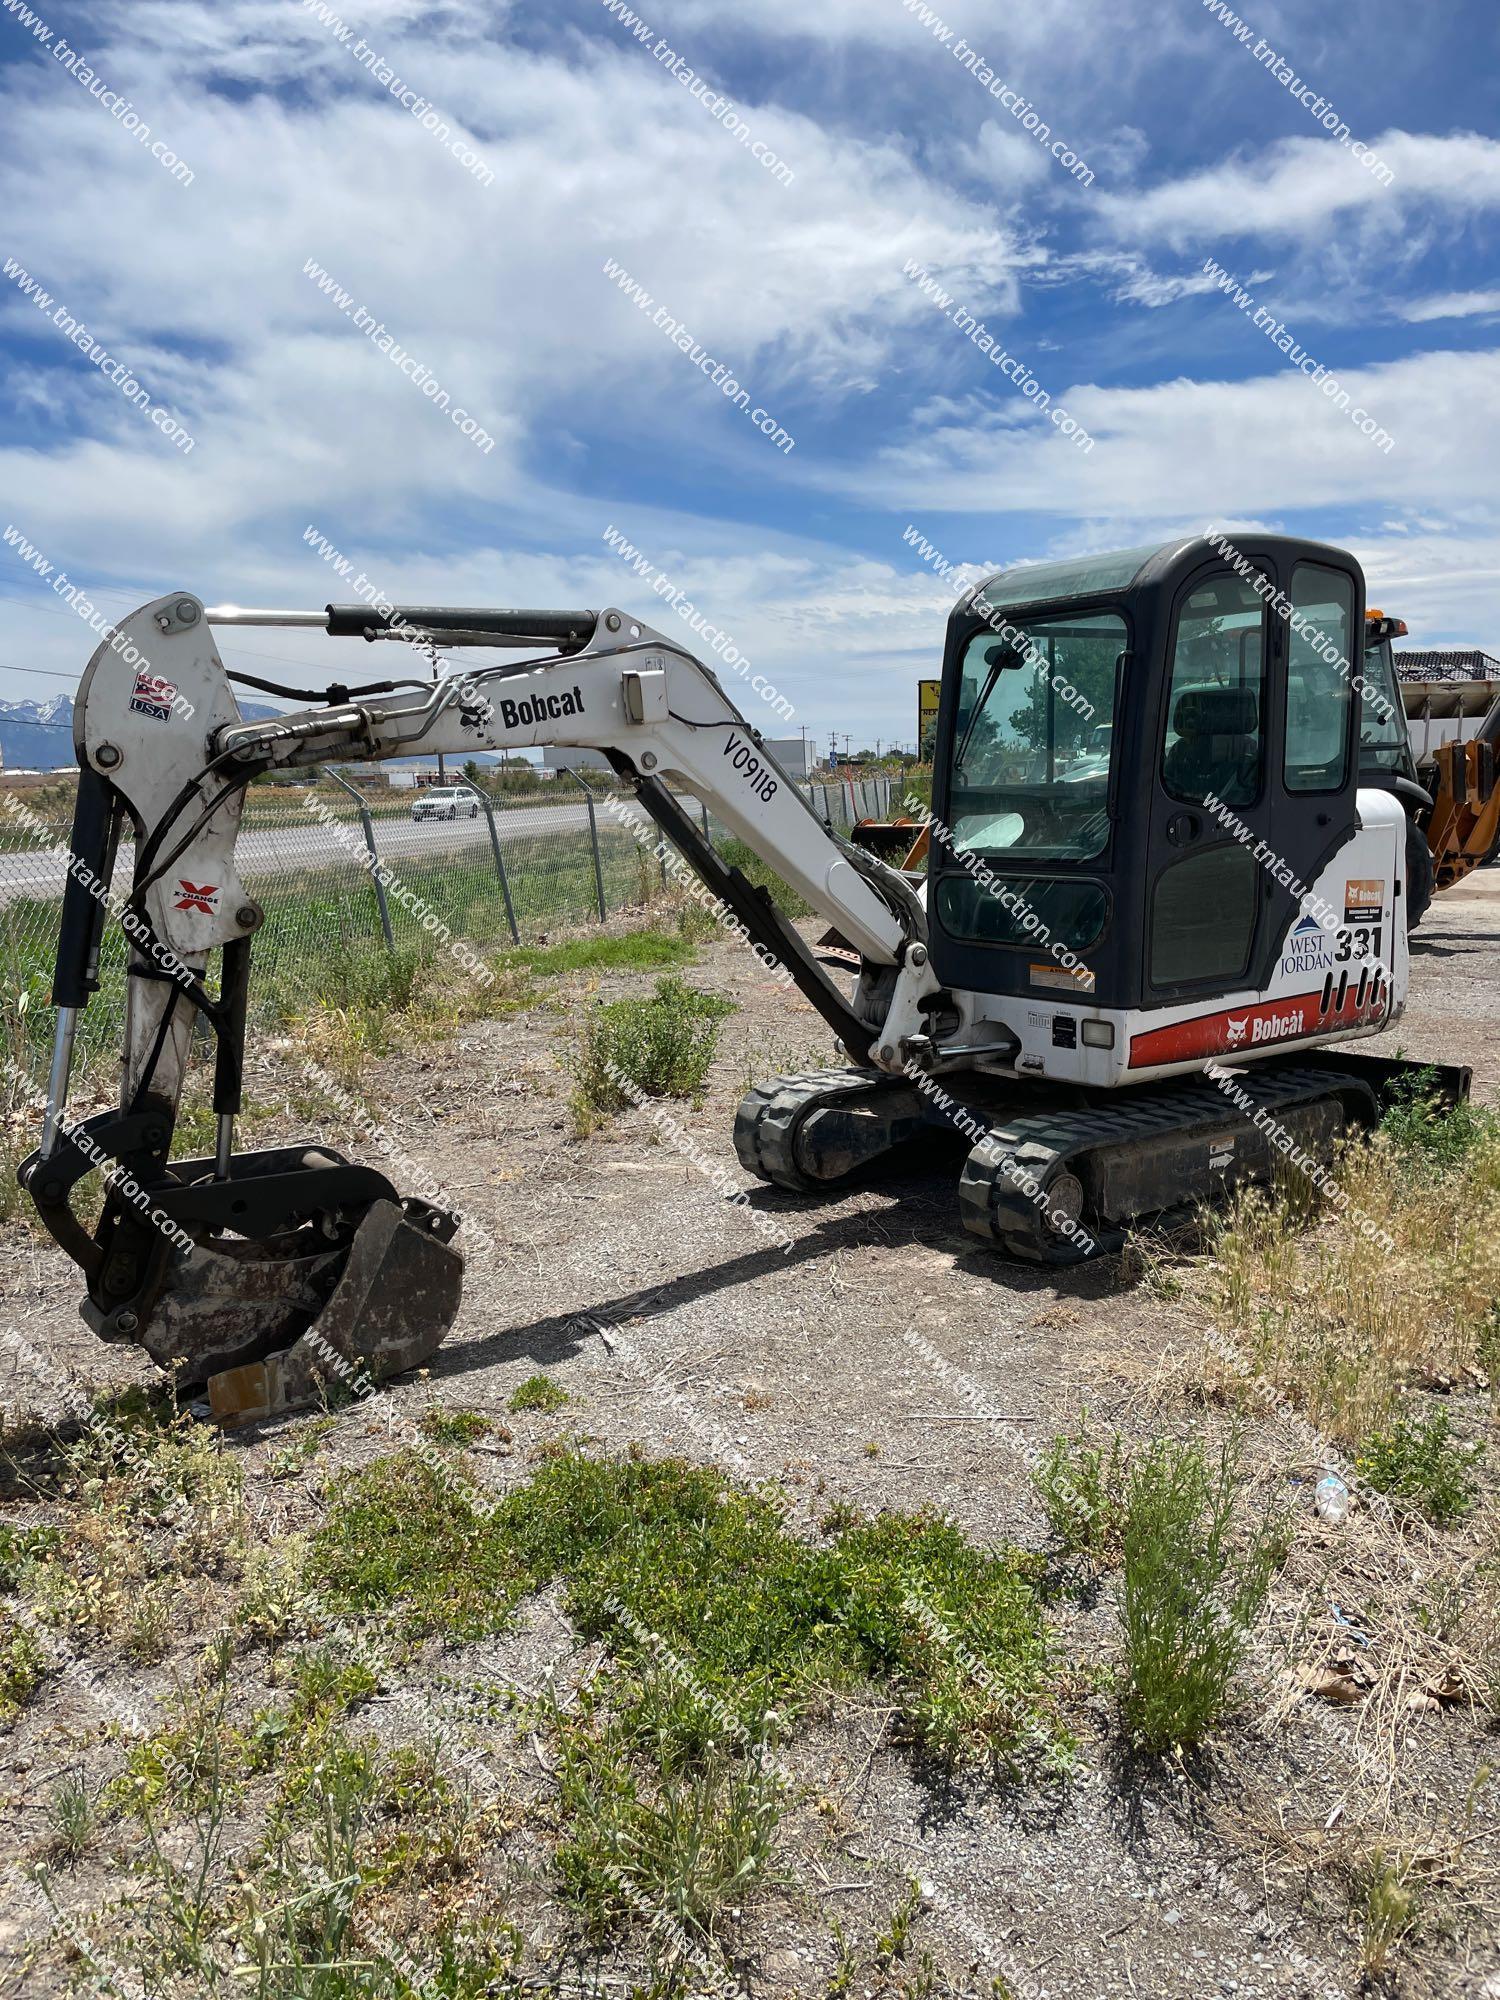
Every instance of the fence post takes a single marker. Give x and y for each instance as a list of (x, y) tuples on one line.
[(369, 826), (489, 813), (588, 793)]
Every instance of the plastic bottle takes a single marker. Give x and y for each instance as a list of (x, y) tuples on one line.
[(1331, 1498)]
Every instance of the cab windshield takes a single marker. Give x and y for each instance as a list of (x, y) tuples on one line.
[(1033, 740)]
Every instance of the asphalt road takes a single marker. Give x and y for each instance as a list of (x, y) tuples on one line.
[(40, 871)]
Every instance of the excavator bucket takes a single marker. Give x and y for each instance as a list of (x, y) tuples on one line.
[(291, 1274), (397, 1296)]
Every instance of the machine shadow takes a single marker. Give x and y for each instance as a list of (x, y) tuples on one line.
[(916, 1214)]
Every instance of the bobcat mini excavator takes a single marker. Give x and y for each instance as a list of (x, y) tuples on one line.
[(1151, 851)]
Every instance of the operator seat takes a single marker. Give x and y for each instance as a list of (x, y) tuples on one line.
[(1217, 751)]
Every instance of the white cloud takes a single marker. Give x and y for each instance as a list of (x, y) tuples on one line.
[(1442, 577), (499, 291), (1007, 158), (1450, 305), (1296, 187), (1139, 285), (888, 22), (1199, 450)]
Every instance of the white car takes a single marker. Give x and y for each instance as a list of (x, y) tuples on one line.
[(445, 802)]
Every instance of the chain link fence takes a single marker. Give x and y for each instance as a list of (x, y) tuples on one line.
[(344, 876)]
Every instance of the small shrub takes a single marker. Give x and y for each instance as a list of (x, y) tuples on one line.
[(537, 1392), (1081, 1485), (1418, 1463), (657, 1047), (20, 1548), (293, 1458), (146, 1626), (327, 1684), (1189, 1596), (1429, 1133), (22, 1668), (273, 1600), (645, 1834), (694, 923)]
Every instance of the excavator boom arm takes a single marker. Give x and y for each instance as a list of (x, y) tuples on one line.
[(270, 1245)]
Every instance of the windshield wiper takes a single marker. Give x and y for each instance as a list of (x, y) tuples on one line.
[(1001, 656)]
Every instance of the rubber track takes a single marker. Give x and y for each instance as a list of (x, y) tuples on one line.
[(993, 1206), (769, 1117)]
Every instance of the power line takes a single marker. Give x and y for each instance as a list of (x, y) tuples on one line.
[(47, 673)]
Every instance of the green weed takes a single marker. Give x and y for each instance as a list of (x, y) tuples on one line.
[(72, 1815), (634, 951), (292, 1458), (648, 1833), (1429, 1133), (1081, 1484), (23, 1667), (662, 1555), (892, 1941), (1386, 1907), (458, 1427), (537, 1392), (662, 1046), (762, 876), (1190, 1595), (1416, 1462)]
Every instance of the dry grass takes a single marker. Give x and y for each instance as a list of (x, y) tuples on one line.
[(18, 1111), (1355, 1332), (1332, 1322), (1385, 1636), (1397, 1893)]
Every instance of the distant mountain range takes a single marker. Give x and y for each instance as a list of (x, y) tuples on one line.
[(37, 735)]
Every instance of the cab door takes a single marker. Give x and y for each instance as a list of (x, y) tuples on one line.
[(1344, 928), (1207, 895), (1317, 770)]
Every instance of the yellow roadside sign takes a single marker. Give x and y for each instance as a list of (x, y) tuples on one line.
[(927, 711)]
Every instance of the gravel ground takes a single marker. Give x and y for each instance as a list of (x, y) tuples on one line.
[(676, 1325)]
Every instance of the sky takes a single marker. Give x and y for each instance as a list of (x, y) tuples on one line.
[(1064, 174)]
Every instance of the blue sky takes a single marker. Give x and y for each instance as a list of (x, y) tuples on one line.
[(592, 151)]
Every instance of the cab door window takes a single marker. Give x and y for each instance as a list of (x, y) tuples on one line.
[(1215, 727), (1319, 697)]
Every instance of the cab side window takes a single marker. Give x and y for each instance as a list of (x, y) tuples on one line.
[(1215, 734), (1319, 696)]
